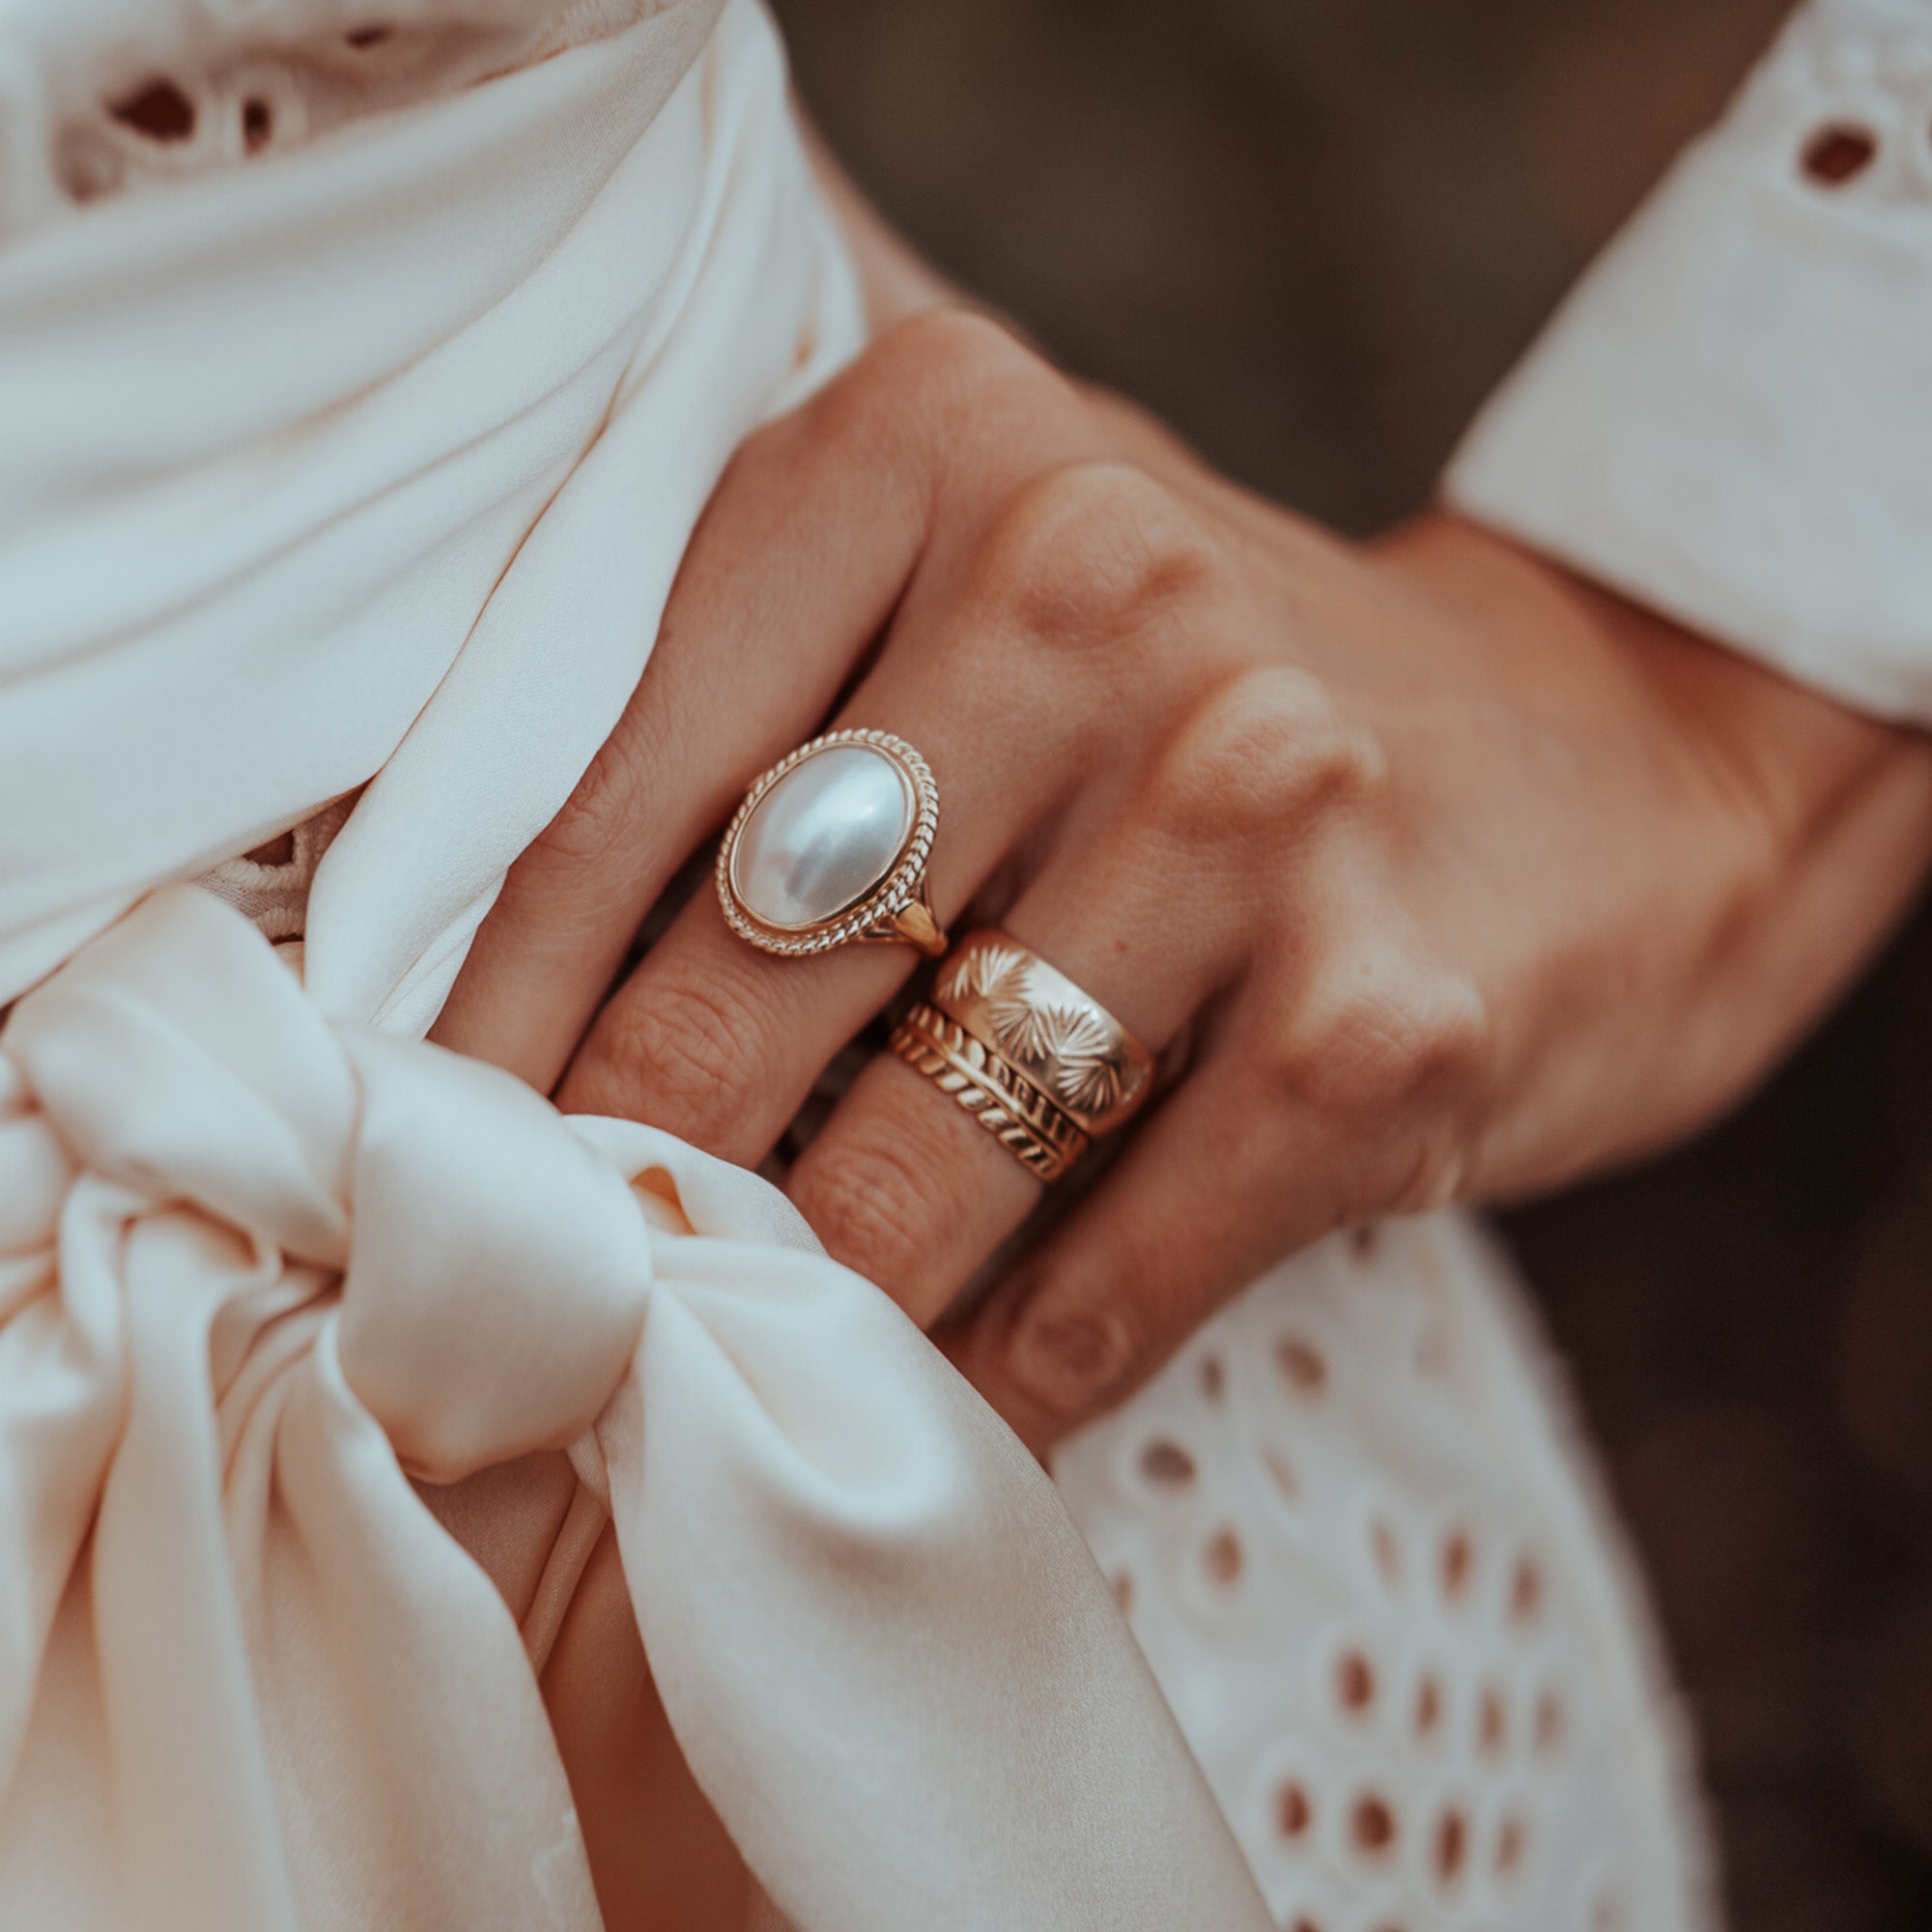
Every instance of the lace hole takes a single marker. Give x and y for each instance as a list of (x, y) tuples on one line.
[(278, 851), (363, 38), (1167, 1464), (1372, 1827), (1293, 1813), (1525, 1592), (1491, 1723), (1549, 1722), (1428, 1705), (1224, 1559), (1302, 1365), (159, 111), (1840, 154), (86, 166), (258, 125), (1354, 1684)]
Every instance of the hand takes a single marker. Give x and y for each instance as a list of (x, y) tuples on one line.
[(1456, 877)]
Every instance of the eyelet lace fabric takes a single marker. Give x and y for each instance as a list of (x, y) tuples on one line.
[(270, 884), (1359, 1541), (1842, 106), (116, 96), (1719, 421)]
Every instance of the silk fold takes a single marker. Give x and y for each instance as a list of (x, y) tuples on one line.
[(366, 472)]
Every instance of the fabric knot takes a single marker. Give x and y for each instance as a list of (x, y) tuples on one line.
[(495, 1268)]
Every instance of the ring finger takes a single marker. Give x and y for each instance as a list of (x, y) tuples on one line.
[(720, 1042), (903, 1184)]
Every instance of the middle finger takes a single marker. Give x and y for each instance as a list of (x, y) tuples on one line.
[(1143, 906), (719, 1042)]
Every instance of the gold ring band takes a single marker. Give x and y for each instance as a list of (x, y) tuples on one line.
[(1061, 1039), (1039, 1063), (1036, 1133)]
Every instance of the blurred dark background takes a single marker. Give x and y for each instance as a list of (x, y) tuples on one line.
[(1313, 234)]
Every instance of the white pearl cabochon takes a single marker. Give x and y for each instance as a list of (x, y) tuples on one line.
[(827, 835)]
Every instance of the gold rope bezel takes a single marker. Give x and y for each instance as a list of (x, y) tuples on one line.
[(861, 919)]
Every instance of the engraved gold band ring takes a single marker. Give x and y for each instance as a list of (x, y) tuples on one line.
[(829, 847), (1041, 1066)]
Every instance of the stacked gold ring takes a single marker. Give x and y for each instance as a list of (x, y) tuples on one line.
[(1040, 1065)]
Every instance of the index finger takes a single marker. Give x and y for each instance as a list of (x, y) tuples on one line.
[(793, 568)]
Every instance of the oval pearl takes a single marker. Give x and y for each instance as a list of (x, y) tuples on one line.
[(825, 835)]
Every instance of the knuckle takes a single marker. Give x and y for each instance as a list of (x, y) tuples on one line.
[(929, 395), (677, 1054), (1381, 1035), (943, 355), (602, 815), (867, 1190), (1069, 1355), (1096, 555), (1260, 753)]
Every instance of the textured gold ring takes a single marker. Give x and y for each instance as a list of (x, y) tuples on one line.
[(1042, 1064), (1036, 1133), (830, 846)]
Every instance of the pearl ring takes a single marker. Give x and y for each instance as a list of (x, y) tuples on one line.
[(830, 846)]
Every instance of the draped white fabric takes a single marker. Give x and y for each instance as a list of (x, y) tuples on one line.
[(371, 467), (1725, 419), (378, 459)]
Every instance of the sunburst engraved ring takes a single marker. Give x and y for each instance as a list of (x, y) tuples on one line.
[(829, 847), (1037, 1062)]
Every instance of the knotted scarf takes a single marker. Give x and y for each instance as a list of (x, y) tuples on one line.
[(369, 468)]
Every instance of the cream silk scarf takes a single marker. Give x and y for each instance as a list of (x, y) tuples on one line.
[(330, 1364)]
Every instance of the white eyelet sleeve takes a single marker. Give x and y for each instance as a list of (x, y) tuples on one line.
[(1731, 418)]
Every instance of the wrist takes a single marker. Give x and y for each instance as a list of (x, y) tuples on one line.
[(1774, 836), (1784, 754)]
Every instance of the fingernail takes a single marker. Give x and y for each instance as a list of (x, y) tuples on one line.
[(1066, 1362)]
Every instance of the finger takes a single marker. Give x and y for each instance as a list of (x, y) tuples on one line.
[(906, 1186), (1358, 1106), (1189, 1215), (1147, 905), (720, 1042), (1016, 678), (789, 579), (791, 573)]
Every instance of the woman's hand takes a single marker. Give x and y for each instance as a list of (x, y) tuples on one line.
[(1449, 875)]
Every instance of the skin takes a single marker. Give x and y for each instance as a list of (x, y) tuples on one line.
[(1438, 873)]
